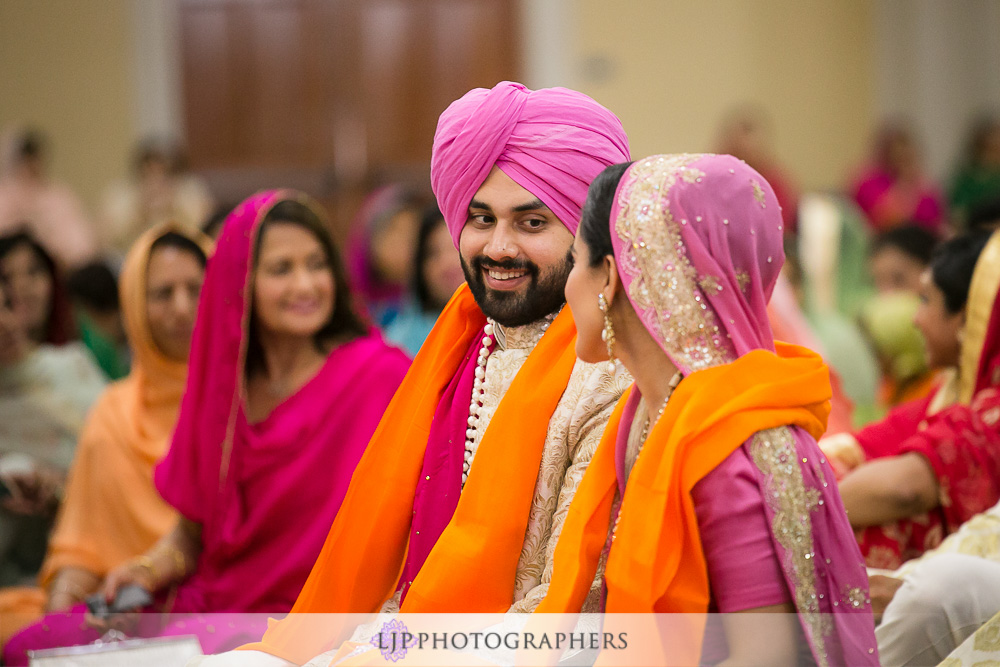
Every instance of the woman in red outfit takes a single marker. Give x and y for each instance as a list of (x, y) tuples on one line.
[(917, 475)]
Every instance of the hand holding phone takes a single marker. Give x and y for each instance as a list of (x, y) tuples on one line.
[(131, 597)]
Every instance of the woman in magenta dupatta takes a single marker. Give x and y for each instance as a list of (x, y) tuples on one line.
[(257, 495), (894, 190), (930, 465)]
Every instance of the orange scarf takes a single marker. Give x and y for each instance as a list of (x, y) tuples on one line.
[(111, 511), (472, 566), (656, 564)]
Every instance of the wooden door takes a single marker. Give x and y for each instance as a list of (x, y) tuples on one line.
[(329, 95)]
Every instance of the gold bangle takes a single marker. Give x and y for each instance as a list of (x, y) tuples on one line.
[(147, 563), (180, 561)]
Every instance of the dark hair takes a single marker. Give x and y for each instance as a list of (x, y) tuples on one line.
[(952, 267), (985, 215), (212, 227), (595, 222), (792, 268), (94, 286), (344, 322), (429, 221), (30, 145), (979, 131), (913, 241), (60, 328), (180, 242)]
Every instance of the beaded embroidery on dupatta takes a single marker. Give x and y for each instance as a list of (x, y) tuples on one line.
[(666, 290), (670, 298)]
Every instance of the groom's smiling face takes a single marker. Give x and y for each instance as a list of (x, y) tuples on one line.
[(515, 252)]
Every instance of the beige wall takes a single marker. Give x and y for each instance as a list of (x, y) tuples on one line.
[(669, 68), (65, 67), (672, 68)]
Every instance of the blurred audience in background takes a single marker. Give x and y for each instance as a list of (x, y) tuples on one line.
[(898, 260), (298, 430), (45, 392), (899, 257), (893, 189), (380, 253), (437, 273), (93, 290), (35, 290), (931, 464), (125, 433), (790, 324), (747, 132), (832, 251), (887, 320), (31, 200), (160, 190), (212, 226), (985, 215), (977, 179)]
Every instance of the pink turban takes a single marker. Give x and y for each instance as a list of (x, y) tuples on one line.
[(552, 142)]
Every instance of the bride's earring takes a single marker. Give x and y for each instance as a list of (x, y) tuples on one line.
[(608, 333)]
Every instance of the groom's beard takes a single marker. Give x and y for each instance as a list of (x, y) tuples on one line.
[(544, 293)]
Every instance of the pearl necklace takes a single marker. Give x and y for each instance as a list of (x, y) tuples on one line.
[(478, 393), (493, 333)]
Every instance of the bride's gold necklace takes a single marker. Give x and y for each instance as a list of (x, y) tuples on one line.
[(674, 381)]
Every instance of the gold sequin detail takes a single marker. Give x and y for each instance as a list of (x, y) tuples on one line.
[(665, 288), (758, 192), (855, 597), (988, 636), (773, 452), (743, 278), (691, 175), (710, 284)]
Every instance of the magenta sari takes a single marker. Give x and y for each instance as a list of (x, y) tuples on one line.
[(266, 493)]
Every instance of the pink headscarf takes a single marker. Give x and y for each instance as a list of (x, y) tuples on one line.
[(552, 142), (264, 492), (698, 243), (709, 227)]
